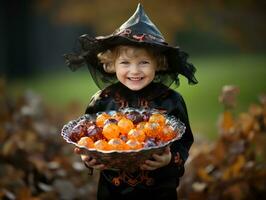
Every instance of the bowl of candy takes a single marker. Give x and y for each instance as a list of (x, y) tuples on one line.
[(125, 138)]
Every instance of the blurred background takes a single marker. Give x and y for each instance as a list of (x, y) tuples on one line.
[(225, 41)]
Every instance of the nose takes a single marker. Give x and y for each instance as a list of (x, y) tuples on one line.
[(134, 69)]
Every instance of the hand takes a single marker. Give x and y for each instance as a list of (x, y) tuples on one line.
[(177, 159), (89, 161), (160, 160)]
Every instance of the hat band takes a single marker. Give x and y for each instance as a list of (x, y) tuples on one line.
[(139, 37)]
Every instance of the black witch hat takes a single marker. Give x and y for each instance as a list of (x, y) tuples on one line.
[(138, 30)]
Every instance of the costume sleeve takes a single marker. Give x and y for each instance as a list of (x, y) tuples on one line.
[(100, 102), (93, 106), (183, 145)]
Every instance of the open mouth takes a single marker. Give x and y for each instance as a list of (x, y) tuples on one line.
[(135, 78)]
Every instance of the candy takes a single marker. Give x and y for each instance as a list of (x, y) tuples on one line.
[(123, 131), (109, 121), (134, 144), (102, 145), (118, 144), (86, 142), (101, 119), (111, 131), (157, 118), (136, 134), (125, 125), (134, 116), (167, 133), (152, 129), (94, 132)]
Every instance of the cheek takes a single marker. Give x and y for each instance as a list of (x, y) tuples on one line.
[(119, 73), (151, 73)]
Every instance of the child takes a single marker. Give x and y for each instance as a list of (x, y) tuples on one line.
[(135, 67)]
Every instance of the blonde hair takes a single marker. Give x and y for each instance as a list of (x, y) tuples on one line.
[(108, 57)]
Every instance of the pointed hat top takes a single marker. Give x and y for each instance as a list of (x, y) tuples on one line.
[(140, 23)]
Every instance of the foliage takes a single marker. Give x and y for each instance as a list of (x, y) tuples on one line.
[(234, 167), (35, 162)]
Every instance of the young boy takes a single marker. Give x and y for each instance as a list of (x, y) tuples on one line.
[(134, 67)]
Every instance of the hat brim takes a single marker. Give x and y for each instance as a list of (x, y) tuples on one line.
[(90, 47)]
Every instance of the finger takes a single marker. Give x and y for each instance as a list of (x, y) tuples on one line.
[(177, 158), (167, 149), (158, 158), (162, 157), (91, 162), (79, 151), (99, 167), (152, 163), (147, 167), (94, 165), (85, 158)]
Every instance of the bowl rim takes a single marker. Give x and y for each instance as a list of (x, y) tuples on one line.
[(170, 119)]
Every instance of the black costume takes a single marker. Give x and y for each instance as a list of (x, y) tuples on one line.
[(160, 183), (139, 31)]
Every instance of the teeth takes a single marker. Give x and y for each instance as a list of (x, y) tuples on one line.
[(135, 78)]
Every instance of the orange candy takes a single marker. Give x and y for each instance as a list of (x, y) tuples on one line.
[(86, 142), (117, 116), (102, 145), (134, 144), (111, 131), (117, 131), (136, 134), (125, 125), (167, 133), (157, 118), (152, 129), (117, 144), (141, 125), (101, 119)]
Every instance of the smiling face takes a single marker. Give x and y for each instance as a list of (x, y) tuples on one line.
[(135, 67)]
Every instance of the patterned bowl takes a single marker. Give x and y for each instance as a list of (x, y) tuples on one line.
[(124, 159)]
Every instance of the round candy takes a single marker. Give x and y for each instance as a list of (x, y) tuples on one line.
[(101, 119), (134, 116), (117, 144), (134, 144), (77, 132), (94, 132), (110, 120), (136, 134), (117, 116), (157, 118), (152, 129), (111, 131), (86, 142), (102, 145), (167, 133), (125, 125)]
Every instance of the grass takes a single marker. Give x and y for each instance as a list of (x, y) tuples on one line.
[(248, 72)]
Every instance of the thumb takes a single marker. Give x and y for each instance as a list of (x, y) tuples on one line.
[(167, 150), (78, 150)]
